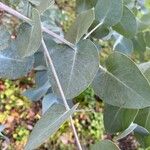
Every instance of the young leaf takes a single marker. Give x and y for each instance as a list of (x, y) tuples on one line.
[(29, 38), (42, 5), (50, 122), (35, 94), (41, 77), (80, 26), (120, 85), (139, 43), (83, 5), (143, 119), (118, 119), (76, 68), (48, 101), (4, 37), (123, 45), (109, 11), (129, 130), (128, 25), (104, 145), (147, 38), (100, 32), (11, 65), (145, 68)]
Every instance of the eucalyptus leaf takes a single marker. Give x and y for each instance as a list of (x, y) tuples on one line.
[(76, 68), (104, 145), (49, 123), (143, 119), (147, 38), (129, 130), (120, 85), (41, 77), (30, 37), (128, 25), (80, 26), (100, 32), (141, 130), (123, 45), (109, 11), (35, 94), (145, 68), (12, 66), (83, 5), (118, 119), (42, 5), (139, 43), (48, 101), (4, 37)]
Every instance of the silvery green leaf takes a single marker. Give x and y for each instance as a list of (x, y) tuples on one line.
[(120, 83), (139, 43), (109, 12), (127, 25), (12, 65), (39, 63), (42, 5), (129, 130), (48, 101), (35, 94), (141, 130), (4, 37), (145, 68), (123, 45), (82, 5), (76, 68), (147, 38), (41, 77), (49, 123), (80, 26), (117, 119), (30, 37)]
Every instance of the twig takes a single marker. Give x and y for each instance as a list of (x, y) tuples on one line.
[(48, 57), (28, 20)]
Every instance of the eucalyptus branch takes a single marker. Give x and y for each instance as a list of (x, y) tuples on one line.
[(50, 62), (28, 20)]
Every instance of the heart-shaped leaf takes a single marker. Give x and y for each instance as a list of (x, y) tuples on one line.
[(123, 45), (30, 37), (42, 5), (4, 38), (76, 68), (128, 25), (120, 85), (118, 119), (109, 11), (83, 5), (12, 66), (50, 122), (35, 94)]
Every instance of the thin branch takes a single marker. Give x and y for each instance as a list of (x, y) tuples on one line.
[(28, 20), (48, 58), (96, 27)]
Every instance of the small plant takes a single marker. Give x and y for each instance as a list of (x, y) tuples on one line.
[(66, 65)]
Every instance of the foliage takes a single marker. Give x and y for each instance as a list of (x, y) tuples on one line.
[(69, 64)]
